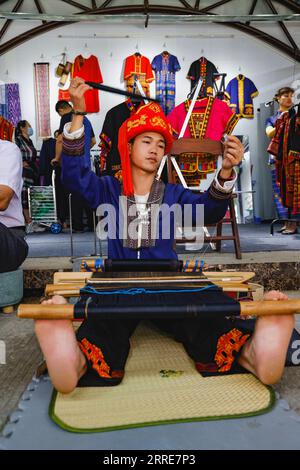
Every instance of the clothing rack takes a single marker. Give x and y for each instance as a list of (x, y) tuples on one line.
[(194, 89)]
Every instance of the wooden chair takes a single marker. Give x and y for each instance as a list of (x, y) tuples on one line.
[(189, 145)]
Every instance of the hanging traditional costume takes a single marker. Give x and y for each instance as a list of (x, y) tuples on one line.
[(10, 107), (13, 103), (203, 68), (165, 66), (139, 66), (287, 161), (282, 212), (110, 161), (211, 118), (89, 70), (241, 91), (3, 101), (42, 99)]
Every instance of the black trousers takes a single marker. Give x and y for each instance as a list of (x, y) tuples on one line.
[(214, 344), (78, 207), (13, 248), (106, 344), (62, 197)]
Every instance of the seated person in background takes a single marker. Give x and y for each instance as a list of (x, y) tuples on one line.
[(97, 354), (13, 247)]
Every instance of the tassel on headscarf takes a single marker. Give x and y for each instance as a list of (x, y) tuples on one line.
[(125, 161)]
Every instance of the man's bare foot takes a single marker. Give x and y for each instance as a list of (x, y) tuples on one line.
[(55, 300)]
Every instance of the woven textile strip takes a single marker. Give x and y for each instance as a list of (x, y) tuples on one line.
[(42, 99), (295, 178), (6, 129), (161, 386), (13, 103)]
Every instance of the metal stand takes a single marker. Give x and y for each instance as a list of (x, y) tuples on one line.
[(184, 126), (219, 92), (95, 234), (71, 227)]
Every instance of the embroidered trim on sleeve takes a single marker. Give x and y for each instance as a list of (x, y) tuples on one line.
[(216, 193), (73, 147)]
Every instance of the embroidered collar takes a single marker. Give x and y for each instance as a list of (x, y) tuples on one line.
[(149, 217)]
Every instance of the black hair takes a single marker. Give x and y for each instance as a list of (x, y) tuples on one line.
[(20, 125), (283, 91), (62, 104)]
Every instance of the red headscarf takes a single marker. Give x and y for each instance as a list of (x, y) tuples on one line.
[(151, 118)]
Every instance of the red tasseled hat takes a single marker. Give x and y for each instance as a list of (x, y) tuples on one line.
[(149, 117)]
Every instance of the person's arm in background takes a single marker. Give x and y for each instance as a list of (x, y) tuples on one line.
[(6, 195), (270, 128), (58, 150), (93, 138), (10, 174), (59, 139), (93, 142), (270, 131)]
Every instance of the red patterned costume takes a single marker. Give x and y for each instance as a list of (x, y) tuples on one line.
[(89, 70), (211, 118), (139, 65), (286, 148)]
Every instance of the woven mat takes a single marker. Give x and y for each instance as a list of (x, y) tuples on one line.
[(161, 386)]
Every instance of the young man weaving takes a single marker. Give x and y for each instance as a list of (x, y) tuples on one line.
[(97, 354)]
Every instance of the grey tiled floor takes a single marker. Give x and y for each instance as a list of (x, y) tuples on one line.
[(254, 238)]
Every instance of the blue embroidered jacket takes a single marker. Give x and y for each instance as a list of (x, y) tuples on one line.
[(78, 177), (241, 91)]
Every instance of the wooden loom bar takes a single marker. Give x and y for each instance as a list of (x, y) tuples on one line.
[(66, 311), (240, 276), (73, 289)]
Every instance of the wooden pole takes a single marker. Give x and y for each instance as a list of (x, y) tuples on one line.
[(71, 277), (46, 311), (270, 307), (66, 311)]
